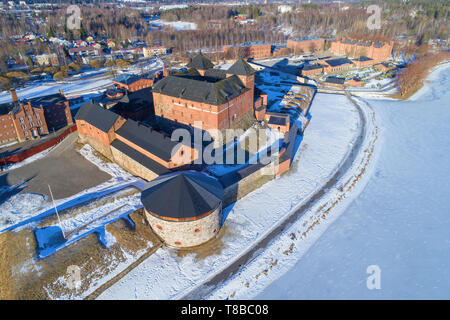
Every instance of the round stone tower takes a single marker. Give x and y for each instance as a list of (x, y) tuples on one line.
[(184, 208)]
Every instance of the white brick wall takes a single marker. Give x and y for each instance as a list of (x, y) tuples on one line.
[(186, 233)]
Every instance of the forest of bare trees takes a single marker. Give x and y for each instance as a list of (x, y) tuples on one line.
[(420, 19)]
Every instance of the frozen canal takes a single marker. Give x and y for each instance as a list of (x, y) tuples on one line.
[(401, 220)]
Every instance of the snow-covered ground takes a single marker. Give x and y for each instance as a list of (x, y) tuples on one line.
[(401, 220), (23, 206), (177, 25), (78, 84), (52, 88), (328, 139)]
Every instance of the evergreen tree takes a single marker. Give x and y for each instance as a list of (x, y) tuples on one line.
[(30, 62), (51, 34)]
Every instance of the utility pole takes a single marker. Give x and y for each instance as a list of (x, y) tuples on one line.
[(56, 210)]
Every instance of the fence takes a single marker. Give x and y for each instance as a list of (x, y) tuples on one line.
[(36, 149)]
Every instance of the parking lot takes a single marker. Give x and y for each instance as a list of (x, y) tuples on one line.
[(63, 168)]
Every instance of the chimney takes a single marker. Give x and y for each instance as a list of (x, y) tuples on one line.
[(14, 97), (165, 72)]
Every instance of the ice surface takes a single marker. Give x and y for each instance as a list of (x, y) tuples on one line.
[(401, 220)]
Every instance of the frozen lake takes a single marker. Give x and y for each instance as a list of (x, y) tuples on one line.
[(401, 220)]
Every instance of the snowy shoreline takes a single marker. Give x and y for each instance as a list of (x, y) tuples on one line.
[(399, 222), (295, 241)]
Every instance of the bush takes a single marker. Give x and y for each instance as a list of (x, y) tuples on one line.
[(60, 75), (51, 70), (16, 74), (4, 81), (75, 67), (109, 63), (95, 64)]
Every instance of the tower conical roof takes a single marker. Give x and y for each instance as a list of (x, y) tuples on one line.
[(200, 62), (182, 195), (241, 67)]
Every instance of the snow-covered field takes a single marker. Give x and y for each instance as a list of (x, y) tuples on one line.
[(77, 84), (321, 152), (52, 88), (177, 25), (23, 206), (401, 220)]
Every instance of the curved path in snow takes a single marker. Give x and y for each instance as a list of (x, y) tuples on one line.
[(205, 288)]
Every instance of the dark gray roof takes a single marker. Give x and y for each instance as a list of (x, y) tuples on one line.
[(35, 102), (291, 138), (133, 101), (128, 78), (279, 121), (48, 100), (312, 67), (215, 93), (335, 80), (241, 67), (200, 62), (5, 108), (211, 75), (191, 72), (139, 157), (148, 139), (216, 74), (182, 195), (338, 62), (363, 58), (97, 116)]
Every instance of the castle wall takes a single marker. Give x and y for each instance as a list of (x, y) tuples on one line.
[(187, 233)]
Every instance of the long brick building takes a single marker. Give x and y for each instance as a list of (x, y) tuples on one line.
[(249, 50), (132, 83), (214, 97), (378, 51), (138, 148), (306, 45), (33, 118)]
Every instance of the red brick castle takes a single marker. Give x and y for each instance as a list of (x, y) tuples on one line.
[(214, 97)]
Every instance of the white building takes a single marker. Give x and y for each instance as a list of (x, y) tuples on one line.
[(284, 8)]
